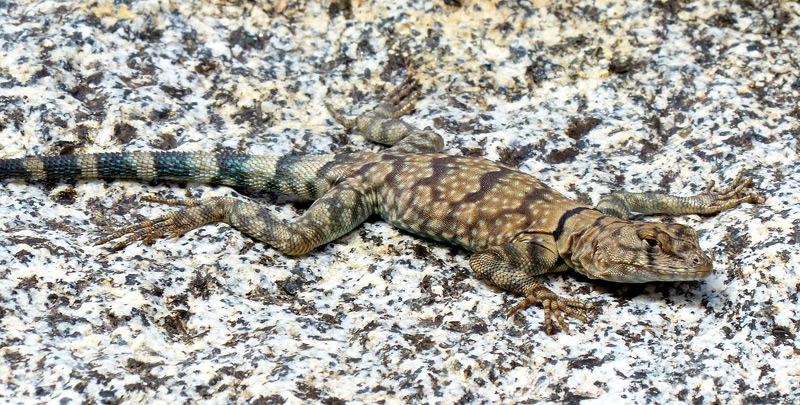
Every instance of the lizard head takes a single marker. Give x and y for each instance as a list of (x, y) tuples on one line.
[(639, 252)]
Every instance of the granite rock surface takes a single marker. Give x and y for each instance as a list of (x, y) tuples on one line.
[(590, 96)]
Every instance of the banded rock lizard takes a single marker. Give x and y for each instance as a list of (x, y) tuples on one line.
[(518, 227)]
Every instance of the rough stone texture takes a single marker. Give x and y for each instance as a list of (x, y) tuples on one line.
[(590, 96)]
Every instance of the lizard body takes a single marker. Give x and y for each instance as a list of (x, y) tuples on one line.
[(517, 226)]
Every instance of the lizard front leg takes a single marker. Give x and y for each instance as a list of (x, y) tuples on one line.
[(514, 267), (622, 204), (335, 213)]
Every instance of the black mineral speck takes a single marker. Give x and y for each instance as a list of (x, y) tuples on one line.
[(340, 7), (722, 20), (648, 150), (561, 156), (201, 285), (422, 251), (66, 197), (28, 283), (291, 285), (167, 141), (474, 126), (175, 323), (175, 92), (364, 48), (422, 342), (246, 40), (782, 334), (512, 157), (108, 394), (622, 66), (124, 132), (579, 126), (585, 361)]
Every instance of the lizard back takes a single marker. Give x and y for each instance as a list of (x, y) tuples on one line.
[(471, 202)]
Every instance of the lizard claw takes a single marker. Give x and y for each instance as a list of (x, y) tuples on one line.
[(737, 193), (555, 306)]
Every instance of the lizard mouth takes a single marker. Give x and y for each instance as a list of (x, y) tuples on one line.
[(682, 274), (636, 273)]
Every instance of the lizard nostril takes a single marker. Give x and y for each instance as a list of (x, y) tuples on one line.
[(696, 260)]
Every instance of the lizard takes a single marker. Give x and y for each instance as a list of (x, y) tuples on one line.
[(517, 227)]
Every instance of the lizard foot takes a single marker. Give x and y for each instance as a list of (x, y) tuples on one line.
[(400, 100), (173, 224), (554, 306), (737, 193)]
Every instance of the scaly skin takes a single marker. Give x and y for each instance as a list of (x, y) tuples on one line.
[(518, 227)]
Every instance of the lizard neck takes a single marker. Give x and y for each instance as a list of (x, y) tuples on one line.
[(575, 235)]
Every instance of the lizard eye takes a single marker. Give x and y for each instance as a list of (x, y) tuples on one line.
[(650, 242)]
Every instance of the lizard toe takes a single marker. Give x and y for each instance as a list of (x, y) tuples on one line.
[(555, 307)]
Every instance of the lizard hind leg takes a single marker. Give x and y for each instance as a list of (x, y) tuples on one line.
[(337, 212), (383, 124)]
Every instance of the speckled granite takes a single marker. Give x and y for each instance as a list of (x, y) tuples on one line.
[(591, 96)]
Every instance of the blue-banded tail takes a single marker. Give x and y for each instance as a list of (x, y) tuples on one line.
[(296, 175)]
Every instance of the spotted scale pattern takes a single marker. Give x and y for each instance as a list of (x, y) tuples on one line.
[(471, 202)]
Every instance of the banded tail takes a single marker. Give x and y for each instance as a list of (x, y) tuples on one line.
[(297, 175)]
